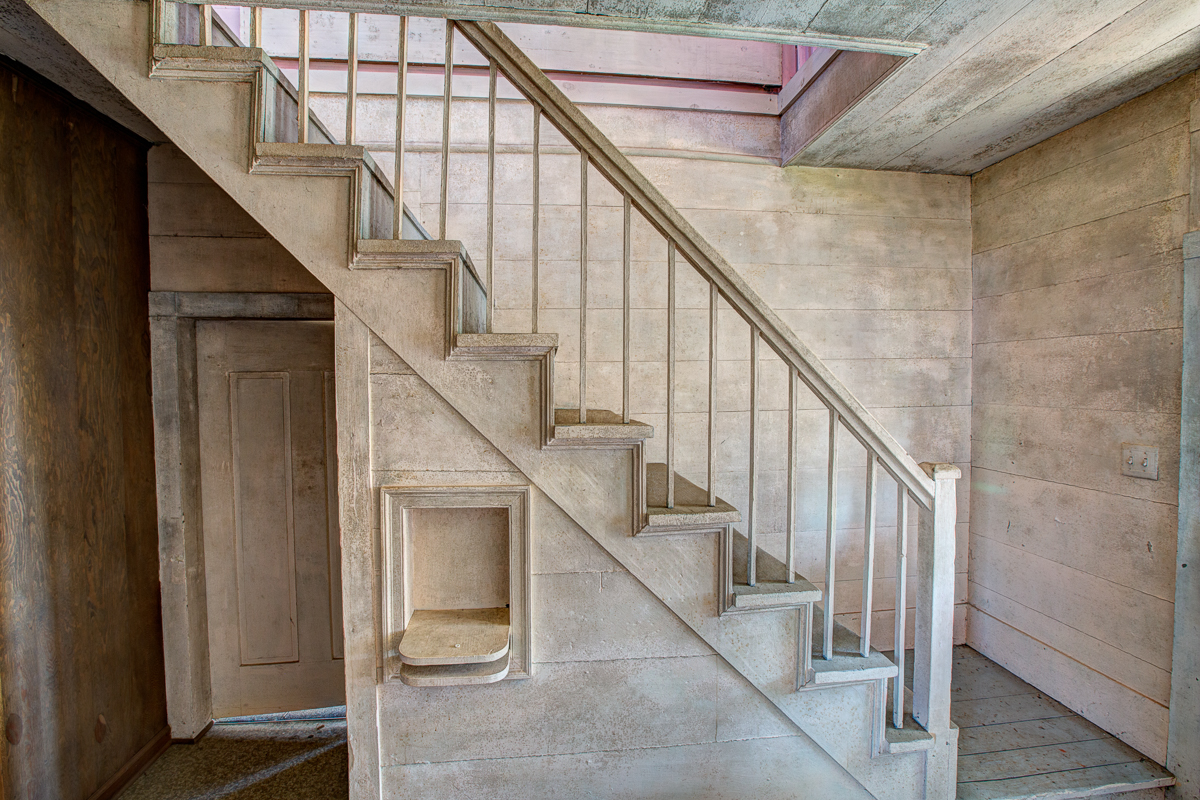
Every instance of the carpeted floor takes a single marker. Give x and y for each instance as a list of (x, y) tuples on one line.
[(254, 759)]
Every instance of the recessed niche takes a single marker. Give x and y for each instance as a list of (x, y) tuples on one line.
[(456, 604)]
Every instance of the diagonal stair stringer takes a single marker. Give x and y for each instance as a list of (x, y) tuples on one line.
[(210, 122)]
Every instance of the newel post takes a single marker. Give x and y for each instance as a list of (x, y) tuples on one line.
[(935, 630)]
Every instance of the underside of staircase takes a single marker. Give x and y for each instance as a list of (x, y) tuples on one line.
[(423, 298)]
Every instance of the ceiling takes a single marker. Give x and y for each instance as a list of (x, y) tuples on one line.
[(989, 77)]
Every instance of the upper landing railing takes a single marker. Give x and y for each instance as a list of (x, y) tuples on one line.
[(196, 25)]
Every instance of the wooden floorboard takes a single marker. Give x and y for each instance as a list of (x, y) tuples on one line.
[(1016, 743)]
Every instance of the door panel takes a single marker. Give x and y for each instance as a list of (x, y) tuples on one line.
[(268, 486)]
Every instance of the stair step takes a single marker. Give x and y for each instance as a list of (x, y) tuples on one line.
[(455, 674), (691, 512), (773, 594), (460, 636), (310, 158), (603, 429), (505, 346), (846, 664)]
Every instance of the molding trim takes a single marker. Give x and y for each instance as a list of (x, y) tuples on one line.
[(573, 19), (135, 766), (395, 504)]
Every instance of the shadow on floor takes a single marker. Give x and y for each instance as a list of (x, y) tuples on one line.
[(296, 760)]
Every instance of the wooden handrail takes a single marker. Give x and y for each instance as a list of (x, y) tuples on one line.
[(613, 165)]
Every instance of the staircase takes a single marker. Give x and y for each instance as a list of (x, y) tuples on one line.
[(257, 138)]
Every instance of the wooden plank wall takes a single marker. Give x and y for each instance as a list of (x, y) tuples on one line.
[(202, 241), (81, 660), (1077, 348)]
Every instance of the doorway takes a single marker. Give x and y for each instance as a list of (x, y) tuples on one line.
[(245, 426)]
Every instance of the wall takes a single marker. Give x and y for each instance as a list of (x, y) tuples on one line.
[(622, 694), (202, 241), (81, 659), (1077, 349), (870, 269)]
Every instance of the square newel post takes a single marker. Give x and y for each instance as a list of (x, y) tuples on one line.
[(935, 629)]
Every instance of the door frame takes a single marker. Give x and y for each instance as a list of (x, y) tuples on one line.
[(173, 317)]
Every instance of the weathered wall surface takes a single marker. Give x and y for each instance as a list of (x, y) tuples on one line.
[(871, 270), (623, 694), (1077, 348), (81, 659), (202, 241)]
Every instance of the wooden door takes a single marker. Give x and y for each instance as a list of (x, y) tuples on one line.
[(269, 491)]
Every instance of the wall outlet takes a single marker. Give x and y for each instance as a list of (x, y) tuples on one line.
[(1139, 461)]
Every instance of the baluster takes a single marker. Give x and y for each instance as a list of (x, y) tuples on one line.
[(804, 645), (351, 78), (401, 103), (256, 27), (449, 70), (583, 297), (713, 297), (864, 645), (670, 373), (791, 477), (831, 535), (302, 104), (751, 552), (206, 25), (625, 317), (898, 651), (491, 190), (537, 205)]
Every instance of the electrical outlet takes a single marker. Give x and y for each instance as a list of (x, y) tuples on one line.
[(1139, 461)]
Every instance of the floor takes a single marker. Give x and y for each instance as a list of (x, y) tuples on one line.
[(1015, 742), (298, 757)]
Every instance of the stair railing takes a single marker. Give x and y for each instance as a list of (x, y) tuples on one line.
[(931, 486)]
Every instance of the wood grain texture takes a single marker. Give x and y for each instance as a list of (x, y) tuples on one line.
[(1015, 741), (1078, 348), (202, 241), (79, 543)]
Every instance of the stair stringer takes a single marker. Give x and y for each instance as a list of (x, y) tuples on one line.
[(310, 216)]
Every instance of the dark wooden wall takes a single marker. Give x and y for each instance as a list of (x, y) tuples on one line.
[(81, 663)]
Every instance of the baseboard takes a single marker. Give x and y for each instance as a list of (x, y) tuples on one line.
[(195, 739), (135, 766)]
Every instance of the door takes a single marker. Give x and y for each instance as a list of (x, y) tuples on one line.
[(269, 492)]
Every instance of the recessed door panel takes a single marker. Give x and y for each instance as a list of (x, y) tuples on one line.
[(268, 485)]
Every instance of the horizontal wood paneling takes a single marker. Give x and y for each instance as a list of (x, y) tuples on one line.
[(1073, 446), (1116, 372), (1138, 239), (1130, 716), (1137, 175), (202, 241), (1078, 349)]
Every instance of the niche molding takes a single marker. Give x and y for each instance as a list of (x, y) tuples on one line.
[(458, 557)]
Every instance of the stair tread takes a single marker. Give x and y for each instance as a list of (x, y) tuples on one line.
[(846, 664), (691, 508), (775, 594), (505, 344), (601, 425), (459, 636), (455, 674)]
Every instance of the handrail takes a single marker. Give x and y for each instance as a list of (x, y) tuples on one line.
[(604, 155)]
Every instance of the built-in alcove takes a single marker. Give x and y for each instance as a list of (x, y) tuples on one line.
[(456, 589)]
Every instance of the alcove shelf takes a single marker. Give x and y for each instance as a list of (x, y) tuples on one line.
[(455, 647), (457, 574)]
